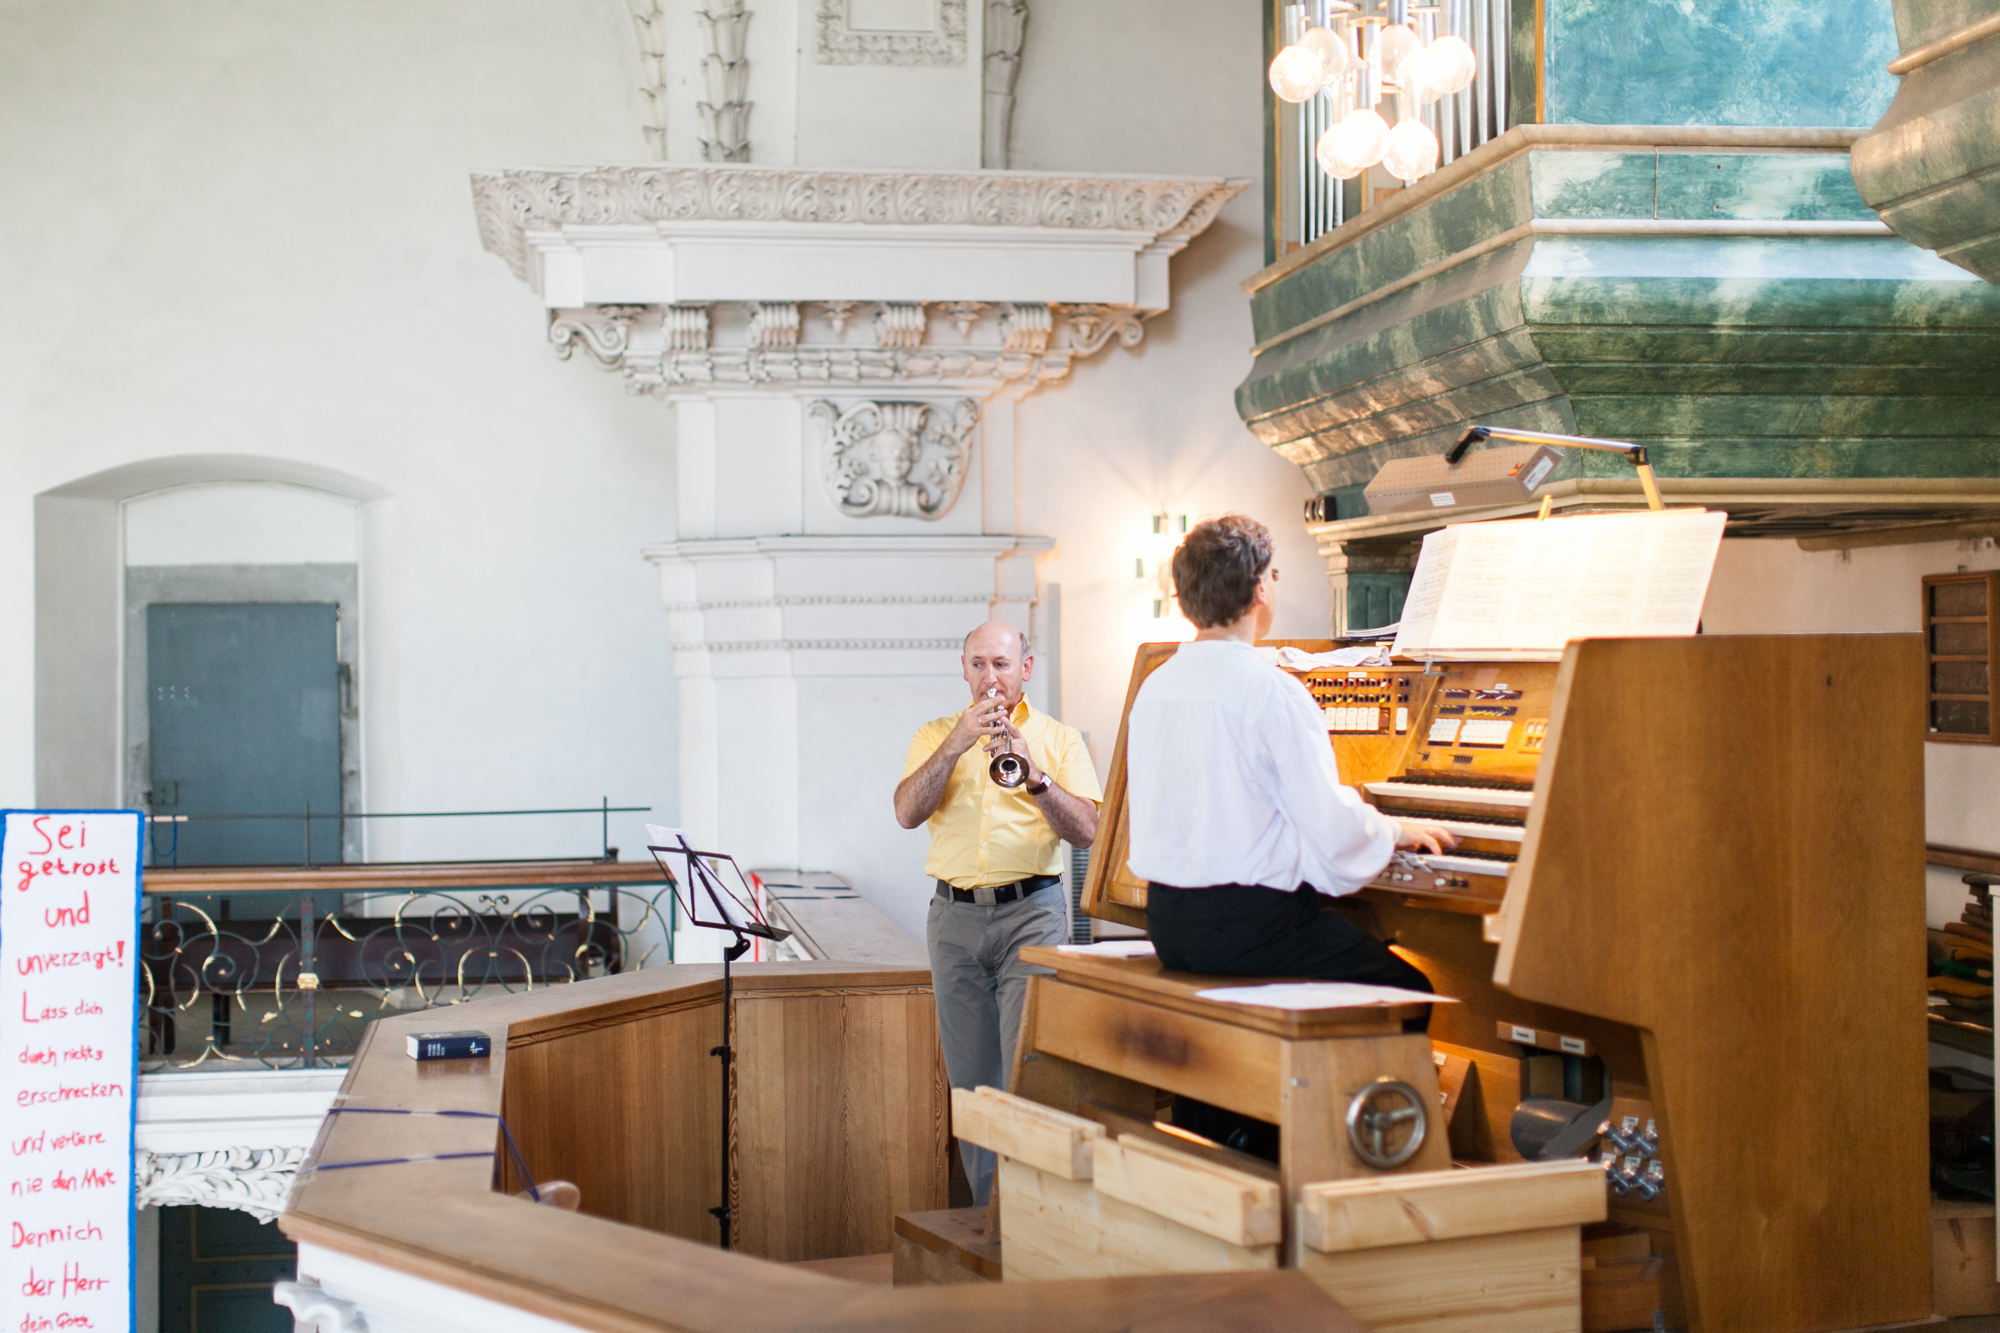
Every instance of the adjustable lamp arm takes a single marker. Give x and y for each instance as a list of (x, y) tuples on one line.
[(1636, 452)]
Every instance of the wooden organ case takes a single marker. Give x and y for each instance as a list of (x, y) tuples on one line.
[(1688, 876)]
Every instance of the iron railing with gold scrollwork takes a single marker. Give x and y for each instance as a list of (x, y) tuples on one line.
[(289, 980)]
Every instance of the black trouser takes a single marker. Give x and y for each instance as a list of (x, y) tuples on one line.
[(1244, 930)]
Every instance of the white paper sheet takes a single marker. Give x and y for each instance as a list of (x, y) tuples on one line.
[(1320, 995), (1110, 949), (1525, 588), (1298, 659)]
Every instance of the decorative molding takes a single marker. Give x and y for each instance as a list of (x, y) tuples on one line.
[(899, 325), (251, 1180), (725, 72), (835, 43), (774, 324), (685, 328), (668, 349), (313, 1307), (963, 315), (818, 645), (1025, 328), (774, 603), (606, 334), (1006, 24), (649, 22), (1092, 326), (838, 314), (509, 204), (902, 460)]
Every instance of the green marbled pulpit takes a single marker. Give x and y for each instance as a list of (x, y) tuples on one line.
[(1931, 167)]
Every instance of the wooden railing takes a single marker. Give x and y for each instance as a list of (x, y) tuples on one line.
[(839, 1122)]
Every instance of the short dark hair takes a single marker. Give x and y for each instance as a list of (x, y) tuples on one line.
[(1217, 567)]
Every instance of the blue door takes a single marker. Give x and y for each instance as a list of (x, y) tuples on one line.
[(216, 1270), (244, 718)]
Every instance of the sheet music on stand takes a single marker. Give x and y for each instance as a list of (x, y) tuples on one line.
[(733, 910), (1522, 589), (702, 888)]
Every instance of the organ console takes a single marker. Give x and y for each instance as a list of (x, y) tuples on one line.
[(1678, 924)]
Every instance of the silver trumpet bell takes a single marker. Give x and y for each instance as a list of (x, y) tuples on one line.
[(1008, 769)]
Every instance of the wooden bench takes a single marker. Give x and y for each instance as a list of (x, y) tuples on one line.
[(1121, 1032)]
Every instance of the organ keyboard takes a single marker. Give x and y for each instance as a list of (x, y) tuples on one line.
[(1687, 876)]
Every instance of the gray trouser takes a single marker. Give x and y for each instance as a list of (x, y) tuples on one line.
[(981, 984)]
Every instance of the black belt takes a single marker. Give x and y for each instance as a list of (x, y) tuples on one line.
[(1001, 893)]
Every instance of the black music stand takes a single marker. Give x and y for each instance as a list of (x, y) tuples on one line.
[(731, 911)]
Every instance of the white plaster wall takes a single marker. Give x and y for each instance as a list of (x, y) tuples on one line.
[(1171, 89), (1772, 587), (245, 228), (241, 525)]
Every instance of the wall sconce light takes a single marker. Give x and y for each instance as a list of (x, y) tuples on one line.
[(1157, 563)]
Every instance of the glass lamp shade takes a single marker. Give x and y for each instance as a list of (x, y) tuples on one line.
[(1354, 145), (1427, 74), (1397, 44), (1412, 151), (1296, 74), (1332, 52), (1451, 55)]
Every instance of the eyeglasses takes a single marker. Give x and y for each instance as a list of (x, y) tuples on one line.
[(1273, 573)]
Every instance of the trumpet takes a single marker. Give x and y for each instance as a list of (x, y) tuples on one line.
[(1008, 769)]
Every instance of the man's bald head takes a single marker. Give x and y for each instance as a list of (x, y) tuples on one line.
[(997, 636), (996, 657)]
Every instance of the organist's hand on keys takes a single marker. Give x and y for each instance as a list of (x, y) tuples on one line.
[(1430, 837)]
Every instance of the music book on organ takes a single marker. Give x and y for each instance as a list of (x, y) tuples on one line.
[(1522, 589)]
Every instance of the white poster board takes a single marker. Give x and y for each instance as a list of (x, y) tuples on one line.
[(69, 936)]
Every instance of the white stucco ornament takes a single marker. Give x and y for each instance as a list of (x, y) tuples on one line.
[(903, 460), (251, 1180)]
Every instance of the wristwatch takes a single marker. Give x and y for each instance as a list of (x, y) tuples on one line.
[(1041, 790)]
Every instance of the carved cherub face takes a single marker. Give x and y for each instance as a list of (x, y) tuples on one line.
[(896, 453)]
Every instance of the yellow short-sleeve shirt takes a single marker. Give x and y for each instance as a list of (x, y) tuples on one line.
[(983, 834)]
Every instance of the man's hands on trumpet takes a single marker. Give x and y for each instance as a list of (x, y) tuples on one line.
[(987, 723)]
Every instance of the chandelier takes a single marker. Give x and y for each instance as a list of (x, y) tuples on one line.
[(1358, 61)]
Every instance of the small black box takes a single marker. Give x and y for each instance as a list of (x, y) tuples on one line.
[(448, 1045)]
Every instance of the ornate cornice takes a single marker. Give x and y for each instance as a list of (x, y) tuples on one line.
[(837, 44), (509, 204), (251, 1180), (818, 645), (662, 349), (776, 603)]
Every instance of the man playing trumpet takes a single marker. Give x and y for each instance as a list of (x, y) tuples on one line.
[(996, 857)]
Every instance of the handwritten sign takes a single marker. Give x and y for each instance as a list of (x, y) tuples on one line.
[(69, 929)]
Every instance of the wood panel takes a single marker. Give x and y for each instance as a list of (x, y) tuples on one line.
[(1726, 850), (1043, 1137), (1110, 891), (841, 1116), (377, 876), (1197, 1057), (1962, 1260), (1055, 1228), (1234, 1206), (1523, 1282), (644, 1147), (1144, 979), (443, 1222), (1449, 1205)]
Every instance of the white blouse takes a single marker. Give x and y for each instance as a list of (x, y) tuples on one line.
[(1230, 780)]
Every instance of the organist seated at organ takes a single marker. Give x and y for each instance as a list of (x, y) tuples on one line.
[(1237, 813)]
